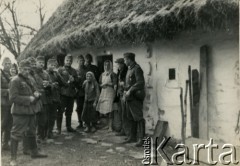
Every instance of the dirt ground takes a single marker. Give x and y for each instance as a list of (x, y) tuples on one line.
[(101, 148)]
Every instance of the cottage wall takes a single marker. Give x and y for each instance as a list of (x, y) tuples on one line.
[(163, 102)]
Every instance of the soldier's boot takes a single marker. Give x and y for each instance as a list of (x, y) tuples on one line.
[(141, 129), (68, 124), (14, 147), (110, 124), (59, 124), (26, 150), (88, 128), (6, 139), (34, 150), (50, 129), (133, 133)]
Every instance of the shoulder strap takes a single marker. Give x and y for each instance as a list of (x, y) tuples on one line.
[(5, 76)]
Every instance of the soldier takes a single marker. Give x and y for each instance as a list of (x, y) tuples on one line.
[(13, 70), (134, 95), (68, 93), (44, 87), (81, 73), (6, 116), (121, 76), (24, 96), (55, 95)]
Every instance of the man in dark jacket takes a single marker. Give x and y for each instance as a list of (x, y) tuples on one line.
[(68, 92), (91, 67), (56, 82), (134, 95), (23, 95), (6, 117), (81, 73), (44, 87), (121, 76)]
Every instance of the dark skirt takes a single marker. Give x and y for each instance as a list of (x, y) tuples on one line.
[(89, 113)]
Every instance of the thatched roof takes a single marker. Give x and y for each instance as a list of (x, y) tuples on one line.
[(79, 24)]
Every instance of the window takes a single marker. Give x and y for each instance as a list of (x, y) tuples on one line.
[(172, 74)]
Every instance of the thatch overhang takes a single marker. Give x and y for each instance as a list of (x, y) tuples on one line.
[(80, 24)]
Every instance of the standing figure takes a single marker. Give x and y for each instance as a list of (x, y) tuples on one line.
[(108, 83), (121, 77), (91, 67), (56, 82), (23, 95), (134, 96), (44, 87), (81, 73), (68, 92), (6, 117), (89, 114)]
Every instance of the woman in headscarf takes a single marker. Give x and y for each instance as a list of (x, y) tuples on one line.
[(89, 114), (108, 83)]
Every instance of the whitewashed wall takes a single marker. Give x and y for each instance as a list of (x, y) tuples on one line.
[(162, 101)]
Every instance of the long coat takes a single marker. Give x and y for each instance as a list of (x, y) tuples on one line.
[(19, 93), (135, 85)]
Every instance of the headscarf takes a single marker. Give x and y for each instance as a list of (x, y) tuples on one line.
[(86, 84)]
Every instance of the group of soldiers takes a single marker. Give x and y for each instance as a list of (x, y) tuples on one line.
[(33, 99)]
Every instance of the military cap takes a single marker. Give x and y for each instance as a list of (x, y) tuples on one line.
[(6, 59), (40, 58), (120, 60), (24, 63), (69, 56), (52, 61), (80, 57), (129, 55)]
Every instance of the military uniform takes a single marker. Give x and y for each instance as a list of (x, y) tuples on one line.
[(42, 118), (55, 107), (23, 112), (134, 102), (68, 93), (6, 117)]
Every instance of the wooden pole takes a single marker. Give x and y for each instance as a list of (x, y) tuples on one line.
[(191, 98)]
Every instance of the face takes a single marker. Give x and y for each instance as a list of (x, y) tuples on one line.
[(40, 64), (127, 61), (13, 71), (33, 65), (51, 66), (88, 61), (68, 62), (7, 65), (24, 70), (81, 62), (89, 77), (120, 66), (106, 66)]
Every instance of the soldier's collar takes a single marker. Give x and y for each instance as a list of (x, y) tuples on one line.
[(132, 66)]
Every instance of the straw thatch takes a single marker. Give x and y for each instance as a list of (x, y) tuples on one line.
[(98, 23)]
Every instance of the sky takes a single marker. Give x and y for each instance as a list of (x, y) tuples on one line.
[(27, 15)]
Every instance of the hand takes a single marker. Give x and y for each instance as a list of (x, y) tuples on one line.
[(94, 104), (127, 94), (32, 99), (71, 79), (36, 94), (121, 83)]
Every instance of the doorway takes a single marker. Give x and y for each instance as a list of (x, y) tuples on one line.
[(101, 59)]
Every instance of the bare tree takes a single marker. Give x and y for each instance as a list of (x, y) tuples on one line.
[(12, 32)]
